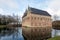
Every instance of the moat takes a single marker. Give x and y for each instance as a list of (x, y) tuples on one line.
[(18, 35), (13, 36)]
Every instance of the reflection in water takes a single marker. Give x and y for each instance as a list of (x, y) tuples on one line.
[(14, 36), (55, 32), (17, 35)]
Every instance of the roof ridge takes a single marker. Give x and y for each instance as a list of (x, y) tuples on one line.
[(35, 8), (38, 11)]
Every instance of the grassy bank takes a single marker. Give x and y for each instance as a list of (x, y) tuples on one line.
[(55, 38)]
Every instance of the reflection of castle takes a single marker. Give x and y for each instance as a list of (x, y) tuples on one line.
[(36, 24)]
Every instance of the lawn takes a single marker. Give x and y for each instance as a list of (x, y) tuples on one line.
[(55, 38)]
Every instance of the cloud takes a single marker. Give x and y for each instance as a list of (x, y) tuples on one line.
[(54, 7), (9, 3), (8, 7), (19, 6), (3, 12)]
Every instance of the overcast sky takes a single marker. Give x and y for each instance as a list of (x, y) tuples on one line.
[(8, 7)]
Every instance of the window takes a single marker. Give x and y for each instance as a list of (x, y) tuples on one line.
[(38, 18), (35, 18), (28, 18), (31, 17), (41, 18), (31, 24), (39, 24), (35, 24)]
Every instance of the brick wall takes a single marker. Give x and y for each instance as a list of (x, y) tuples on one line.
[(34, 20)]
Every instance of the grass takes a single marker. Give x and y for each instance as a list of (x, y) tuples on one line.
[(55, 38)]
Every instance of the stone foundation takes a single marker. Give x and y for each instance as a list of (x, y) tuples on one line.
[(36, 33)]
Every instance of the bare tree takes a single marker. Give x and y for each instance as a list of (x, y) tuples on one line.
[(55, 18)]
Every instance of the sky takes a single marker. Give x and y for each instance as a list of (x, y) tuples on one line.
[(18, 7)]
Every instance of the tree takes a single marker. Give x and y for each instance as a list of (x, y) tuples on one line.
[(55, 18), (7, 19)]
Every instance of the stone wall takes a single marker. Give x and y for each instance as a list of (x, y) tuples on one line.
[(36, 33)]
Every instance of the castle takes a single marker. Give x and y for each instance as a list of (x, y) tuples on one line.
[(36, 24)]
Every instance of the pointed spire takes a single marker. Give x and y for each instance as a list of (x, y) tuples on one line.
[(29, 8)]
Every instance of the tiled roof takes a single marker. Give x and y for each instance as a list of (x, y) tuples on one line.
[(40, 12), (37, 11)]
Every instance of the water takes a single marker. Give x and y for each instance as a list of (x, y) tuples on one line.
[(13, 36), (18, 35), (55, 32)]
